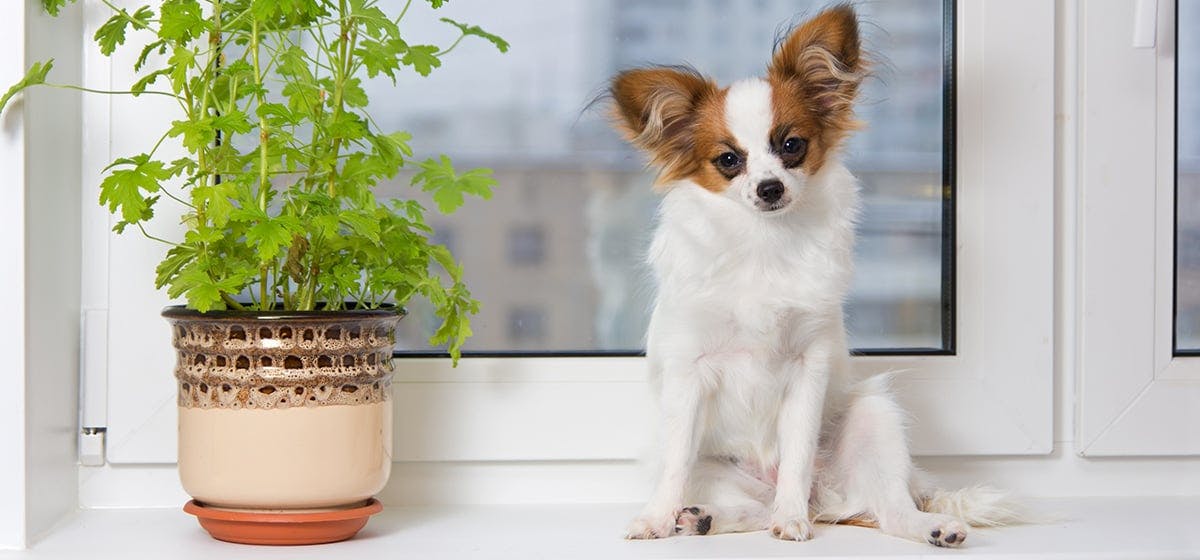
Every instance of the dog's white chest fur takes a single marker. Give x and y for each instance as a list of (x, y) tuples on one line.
[(741, 294)]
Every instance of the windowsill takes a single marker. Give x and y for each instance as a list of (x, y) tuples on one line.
[(1089, 528)]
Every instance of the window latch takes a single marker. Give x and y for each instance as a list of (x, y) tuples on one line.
[(1145, 23)]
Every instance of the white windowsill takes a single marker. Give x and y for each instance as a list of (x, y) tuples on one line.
[(1089, 528)]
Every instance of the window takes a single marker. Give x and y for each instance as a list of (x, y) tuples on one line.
[(565, 175), (563, 170), (526, 245), (1187, 181), (526, 324), (443, 234), (1140, 376)]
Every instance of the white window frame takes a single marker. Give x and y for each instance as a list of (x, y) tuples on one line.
[(993, 397), (1135, 396)]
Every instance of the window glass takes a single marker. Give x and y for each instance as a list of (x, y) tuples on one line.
[(557, 256), (1187, 179)]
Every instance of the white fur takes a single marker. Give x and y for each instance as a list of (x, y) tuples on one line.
[(748, 117), (747, 346)]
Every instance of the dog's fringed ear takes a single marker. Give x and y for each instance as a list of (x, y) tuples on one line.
[(656, 109), (824, 56)]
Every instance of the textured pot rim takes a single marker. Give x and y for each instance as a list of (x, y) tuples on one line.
[(183, 313)]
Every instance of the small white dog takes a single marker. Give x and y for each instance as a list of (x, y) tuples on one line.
[(765, 424)]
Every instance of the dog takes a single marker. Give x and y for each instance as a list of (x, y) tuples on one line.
[(765, 424)]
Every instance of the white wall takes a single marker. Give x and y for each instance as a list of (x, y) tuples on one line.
[(39, 275), (52, 269), (12, 281)]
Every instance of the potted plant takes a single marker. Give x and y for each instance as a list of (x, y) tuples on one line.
[(294, 274)]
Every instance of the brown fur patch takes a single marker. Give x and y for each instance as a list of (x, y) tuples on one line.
[(713, 139), (796, 118), (859, 522), (815, 76), (659, 110)]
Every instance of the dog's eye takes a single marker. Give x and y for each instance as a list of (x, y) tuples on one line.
[(729, 160), (794, 145)]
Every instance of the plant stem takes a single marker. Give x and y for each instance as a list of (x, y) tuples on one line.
[(446, 50), (263, 132), (263, 302), (108, 92), (281, 282), (233, 303), (348, 36), (147, 235), (264, 135), (404, 11)]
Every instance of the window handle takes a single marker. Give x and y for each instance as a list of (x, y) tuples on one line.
[(1145, 23)]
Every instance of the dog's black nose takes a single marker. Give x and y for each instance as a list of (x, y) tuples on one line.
[(770, 191)]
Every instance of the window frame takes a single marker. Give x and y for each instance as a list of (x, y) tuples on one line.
[(1005, 395), (985, 399), (1135, 391)]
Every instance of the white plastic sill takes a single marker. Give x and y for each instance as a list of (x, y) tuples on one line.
[(1087, 528)]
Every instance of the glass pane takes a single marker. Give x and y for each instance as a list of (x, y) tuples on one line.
[(556, 256), (1187, 179)]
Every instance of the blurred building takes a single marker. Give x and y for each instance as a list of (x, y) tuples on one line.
[(1187, 243)]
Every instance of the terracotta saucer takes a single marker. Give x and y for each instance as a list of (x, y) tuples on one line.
[(280, 528)]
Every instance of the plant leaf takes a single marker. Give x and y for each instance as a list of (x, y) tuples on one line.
[(35, 76), (477, 31), (271, 234), (182, 59), (234, 121), (181, 21), (202, 291), (145, 54), (353, 94), (122, 188), (178, 257), (423, 58), (52, 7), (140, 86), (362, 223), (438, 177), (112, 32), (381, 57)]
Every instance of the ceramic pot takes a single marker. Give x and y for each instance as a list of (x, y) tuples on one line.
[(284, 411)]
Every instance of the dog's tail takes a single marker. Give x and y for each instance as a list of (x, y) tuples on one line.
[(978, 506)]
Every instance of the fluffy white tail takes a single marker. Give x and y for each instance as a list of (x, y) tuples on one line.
[(978, 506)]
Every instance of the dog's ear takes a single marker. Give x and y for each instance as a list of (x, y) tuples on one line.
[(656, 109), (824, 58)]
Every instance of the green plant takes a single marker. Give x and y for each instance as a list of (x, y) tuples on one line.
[(282, 157)]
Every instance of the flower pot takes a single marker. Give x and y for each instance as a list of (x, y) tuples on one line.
[(283, 413)]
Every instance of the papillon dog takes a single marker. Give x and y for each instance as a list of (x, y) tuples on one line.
[(765, 424)]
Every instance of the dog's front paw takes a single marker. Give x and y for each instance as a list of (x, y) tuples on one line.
[(693, 520), (652, 526), (947, 532), (791, 528)]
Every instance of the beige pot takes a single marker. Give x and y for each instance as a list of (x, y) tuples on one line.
[(284, 410)]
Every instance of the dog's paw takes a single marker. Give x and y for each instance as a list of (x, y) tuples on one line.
[(651, 526), (791, 528), (947, 532), (693, 521)]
